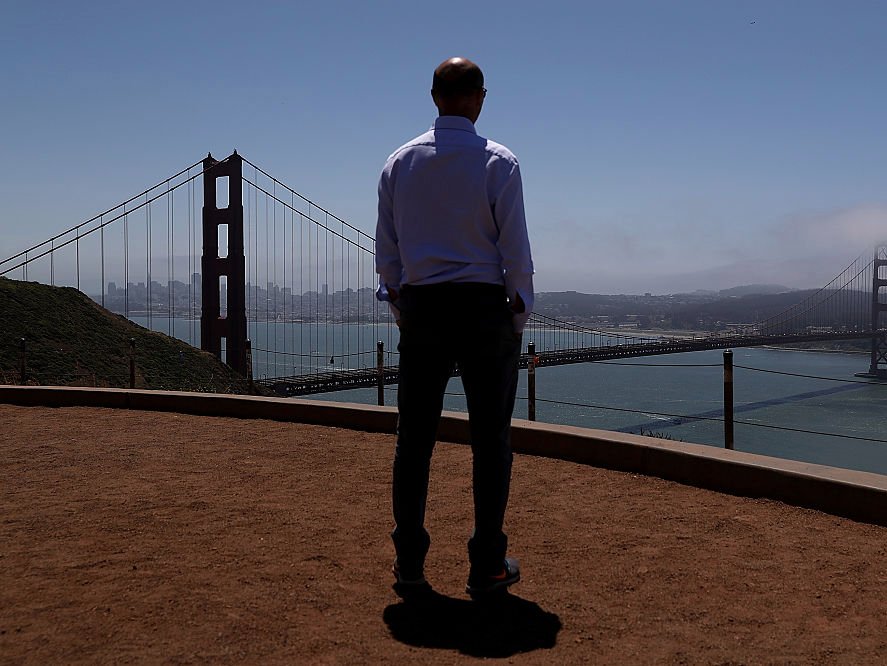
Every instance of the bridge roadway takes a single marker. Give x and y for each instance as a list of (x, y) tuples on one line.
[(341, 380)]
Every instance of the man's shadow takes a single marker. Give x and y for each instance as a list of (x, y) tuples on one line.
[(497, 627)]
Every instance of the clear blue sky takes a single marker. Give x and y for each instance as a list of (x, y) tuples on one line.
[(665, 146)]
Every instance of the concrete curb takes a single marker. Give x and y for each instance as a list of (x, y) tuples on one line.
[(858, 495)]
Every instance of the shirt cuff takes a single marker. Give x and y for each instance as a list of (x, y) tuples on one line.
[(382, 293)]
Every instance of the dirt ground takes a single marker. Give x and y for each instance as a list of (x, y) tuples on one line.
[(142, 537)]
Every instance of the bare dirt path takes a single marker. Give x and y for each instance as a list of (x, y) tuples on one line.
[(142, 537)]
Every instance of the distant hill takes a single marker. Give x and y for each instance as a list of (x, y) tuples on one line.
[(73, 341), (697, 311), (755, 289), (747, 308)]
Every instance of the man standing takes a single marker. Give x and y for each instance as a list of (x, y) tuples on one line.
[(454, 263)]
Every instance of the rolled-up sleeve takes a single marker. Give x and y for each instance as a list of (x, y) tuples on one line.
[(514, 244)]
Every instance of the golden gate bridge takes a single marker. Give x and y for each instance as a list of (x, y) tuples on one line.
[(230, 259)]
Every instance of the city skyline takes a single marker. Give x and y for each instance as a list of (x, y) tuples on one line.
[(270, 301)]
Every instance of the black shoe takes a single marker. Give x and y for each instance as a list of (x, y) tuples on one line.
[(479, 586), (409, 584)]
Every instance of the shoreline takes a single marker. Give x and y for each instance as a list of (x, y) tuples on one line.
[(816, 351)]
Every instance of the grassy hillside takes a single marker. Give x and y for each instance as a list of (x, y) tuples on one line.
[(72, 341)]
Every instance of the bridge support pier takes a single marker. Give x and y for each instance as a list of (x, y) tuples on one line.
[(380, 373), (213, 326), (878, 367), (531, 381), (728, 399)]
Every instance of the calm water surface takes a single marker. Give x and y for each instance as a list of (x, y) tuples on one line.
[(656, 395)]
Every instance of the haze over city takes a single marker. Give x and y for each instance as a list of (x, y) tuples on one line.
[(665, 147)]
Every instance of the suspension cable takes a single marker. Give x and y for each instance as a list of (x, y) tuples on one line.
[(93, 219), (103, 224)]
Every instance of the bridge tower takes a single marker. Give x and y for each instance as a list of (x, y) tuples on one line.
[(213, 326), (878, 367)]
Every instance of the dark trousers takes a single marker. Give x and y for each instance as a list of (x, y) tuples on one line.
[(443, 325)]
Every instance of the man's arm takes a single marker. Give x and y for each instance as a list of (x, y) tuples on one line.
[(514, 247), (388, 264)]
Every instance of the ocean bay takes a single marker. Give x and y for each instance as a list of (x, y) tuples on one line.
[(656, 395)]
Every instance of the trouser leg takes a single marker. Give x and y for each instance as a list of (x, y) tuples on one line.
[(424, 373), (490, 380)]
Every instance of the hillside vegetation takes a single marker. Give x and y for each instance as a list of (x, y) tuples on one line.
[(73, 341)]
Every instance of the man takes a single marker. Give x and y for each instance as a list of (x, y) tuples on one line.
[(454, 263)]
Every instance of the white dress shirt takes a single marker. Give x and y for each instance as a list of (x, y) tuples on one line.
[(451, 209)]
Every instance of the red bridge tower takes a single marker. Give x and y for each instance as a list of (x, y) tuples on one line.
[(213, 326)]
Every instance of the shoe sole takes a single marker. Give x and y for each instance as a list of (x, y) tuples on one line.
[(497, 587)]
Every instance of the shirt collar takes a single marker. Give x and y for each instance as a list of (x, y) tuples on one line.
[(454, 122)]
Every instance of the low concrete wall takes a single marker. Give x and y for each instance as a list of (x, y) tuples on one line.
[(857, 495), (341, 414)]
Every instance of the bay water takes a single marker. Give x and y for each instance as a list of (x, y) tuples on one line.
[(827, 416)]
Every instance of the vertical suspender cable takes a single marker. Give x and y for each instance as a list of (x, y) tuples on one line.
[(326, 287), (283, 284), (194, 246), (77, 249), (253, 273), (330, 278), (274, 250), (256, 250), (172, 261), (148, 260), (316, 287), (190, 267), (310, 271), (267, 289), (293, 317), (301, 295), (102, 242), (169, 257), (125, 263), (342, 294), (249, 259), (343, 328)]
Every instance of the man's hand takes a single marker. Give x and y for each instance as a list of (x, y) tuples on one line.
[(518, 305), (392, 294)]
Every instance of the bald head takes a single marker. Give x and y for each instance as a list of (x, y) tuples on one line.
[(458, 88), (457, 76)]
